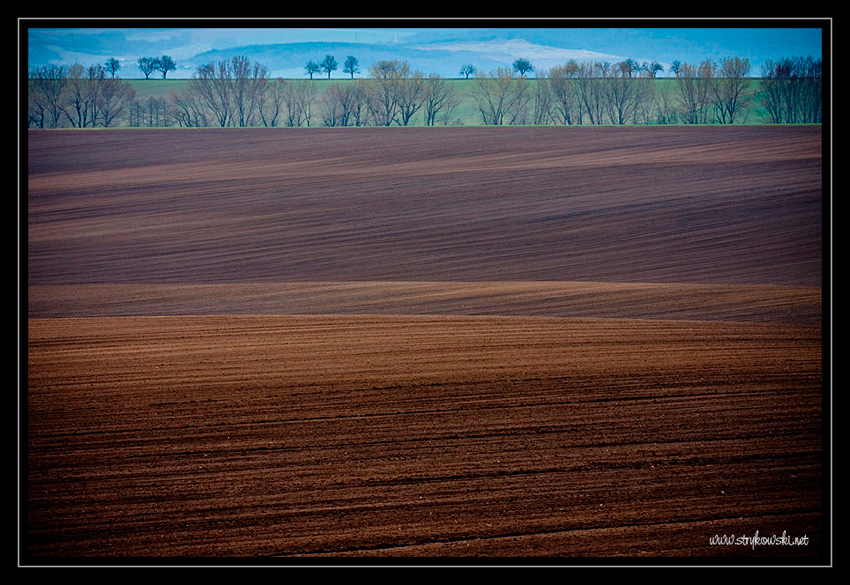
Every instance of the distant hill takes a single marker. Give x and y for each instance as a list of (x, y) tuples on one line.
[(288, 60), (286, 50)]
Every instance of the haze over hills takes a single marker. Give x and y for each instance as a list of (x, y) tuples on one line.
[(289, 59), (286, 50)]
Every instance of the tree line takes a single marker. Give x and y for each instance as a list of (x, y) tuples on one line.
[(76, 96), (237, 92)]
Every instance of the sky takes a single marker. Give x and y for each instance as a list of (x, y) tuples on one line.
[(438, 48)]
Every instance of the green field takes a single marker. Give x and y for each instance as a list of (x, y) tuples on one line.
[(466, 113)]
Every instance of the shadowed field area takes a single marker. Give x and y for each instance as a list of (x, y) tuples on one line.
[(698, 205), (483, 343)]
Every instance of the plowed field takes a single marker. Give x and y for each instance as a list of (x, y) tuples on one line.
[(497, 345)]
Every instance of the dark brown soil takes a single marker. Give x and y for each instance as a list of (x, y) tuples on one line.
[(497, 345)]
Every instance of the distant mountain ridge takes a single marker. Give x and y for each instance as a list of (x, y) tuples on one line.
[(290, 59), (285, 51)]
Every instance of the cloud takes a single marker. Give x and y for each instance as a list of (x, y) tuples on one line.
[(507, 51)]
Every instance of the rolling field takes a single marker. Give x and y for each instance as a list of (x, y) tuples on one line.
[(479, 344)]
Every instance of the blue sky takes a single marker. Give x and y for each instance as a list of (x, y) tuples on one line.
[(438, 49)]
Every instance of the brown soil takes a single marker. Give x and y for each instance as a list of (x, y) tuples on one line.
[(485, 345)]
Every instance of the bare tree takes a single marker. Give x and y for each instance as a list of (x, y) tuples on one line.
[(81, 96), (114, 95), (694, 83), (520, 97), (46, 89), (494, 94), (249, 81), (412, 95), (83, 99), (212, 84), (810, 103), (234, 92), (188, 110), (542, 110), (649, 105), (270, 101), (387, 96), (305, 97), (339, 104), (625, 92), (663, 108), (792, 90), (153, 112), (331, 106), (439, 97), (95, 74), (564, 101), (359, 111), (729, 87), (298, 97), (590, 87), (291, 115)]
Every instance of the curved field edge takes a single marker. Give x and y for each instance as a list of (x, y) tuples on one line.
[(777, 303)]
